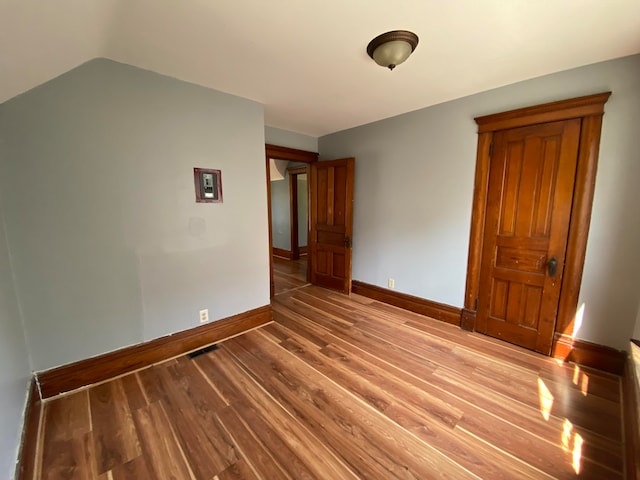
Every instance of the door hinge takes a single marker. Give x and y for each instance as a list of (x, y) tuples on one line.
[(491, 149), (476, 304)]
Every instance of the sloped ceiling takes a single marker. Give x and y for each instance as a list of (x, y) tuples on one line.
[(306, 60)]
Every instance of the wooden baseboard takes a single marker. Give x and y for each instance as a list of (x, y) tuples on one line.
[(579, 351), (103, 367), (439, 311), (25, 468), (303, 250), (468, 320), (589, 354), (280, 252), (631, 413)]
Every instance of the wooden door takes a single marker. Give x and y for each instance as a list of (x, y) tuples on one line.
[(529, 203), (331, 187)]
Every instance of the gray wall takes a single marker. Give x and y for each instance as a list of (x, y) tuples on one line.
[(285, 138), (108, 245), (303, 210), (280, 213), (14, 361), (414, 188)]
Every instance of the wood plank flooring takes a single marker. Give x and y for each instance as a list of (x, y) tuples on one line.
[(341, 388), (289, 274)]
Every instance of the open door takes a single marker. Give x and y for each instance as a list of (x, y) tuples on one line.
[(331, 187)]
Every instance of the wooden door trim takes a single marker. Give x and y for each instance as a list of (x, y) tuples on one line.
[(548, 112), (280, 153), (291, 154), (631, 400), (27, 455), (293, 208), (590, 109)]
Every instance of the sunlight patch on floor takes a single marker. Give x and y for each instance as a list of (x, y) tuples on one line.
[(567, 430), (546, 399), (581, 380), (577, 453), (584, 384), (572, 443)]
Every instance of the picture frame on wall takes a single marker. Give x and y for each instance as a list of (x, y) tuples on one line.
[(208, 185)]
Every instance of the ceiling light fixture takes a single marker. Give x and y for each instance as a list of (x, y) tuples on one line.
[(392, 48)]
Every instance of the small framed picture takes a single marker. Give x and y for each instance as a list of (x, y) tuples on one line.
[(208, 184)]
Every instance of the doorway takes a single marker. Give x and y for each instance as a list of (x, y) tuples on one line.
[(535, 178), (290, 226), (288, 263), (299, 210)]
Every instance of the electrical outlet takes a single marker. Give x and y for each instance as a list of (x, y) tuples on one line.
[(392, 283), (204, 315)]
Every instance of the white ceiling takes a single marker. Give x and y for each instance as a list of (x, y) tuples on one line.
[(306, 61)]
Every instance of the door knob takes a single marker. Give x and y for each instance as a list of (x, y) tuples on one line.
[(552, 266)]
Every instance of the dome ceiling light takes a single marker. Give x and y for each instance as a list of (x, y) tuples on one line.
[(392, 48)]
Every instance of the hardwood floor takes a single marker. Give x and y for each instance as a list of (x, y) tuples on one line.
[(289, 274), (341, 388)]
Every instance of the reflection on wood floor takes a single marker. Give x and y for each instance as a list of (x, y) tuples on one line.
[(289, 274), (342, 387)]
